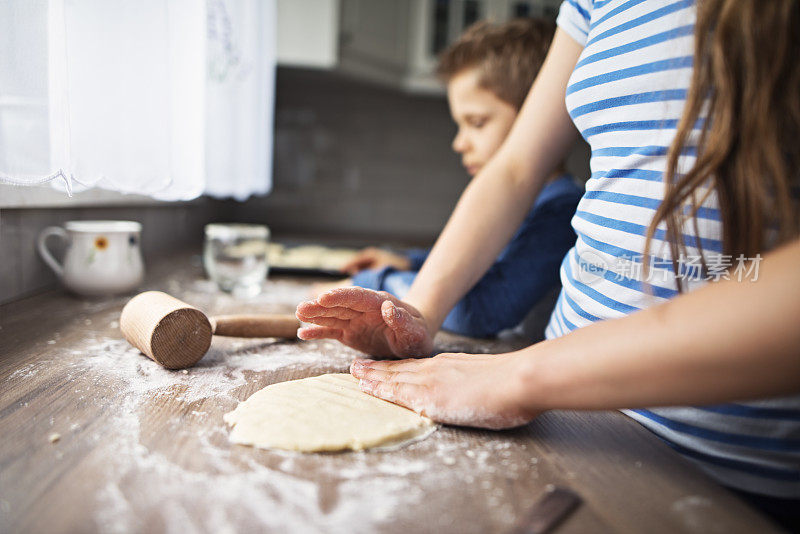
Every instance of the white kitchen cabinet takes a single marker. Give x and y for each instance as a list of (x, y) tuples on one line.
[(308, 33), (395, 42), (392, 42)]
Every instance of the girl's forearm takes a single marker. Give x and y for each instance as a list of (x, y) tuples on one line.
[(727, 341), (497, 200)]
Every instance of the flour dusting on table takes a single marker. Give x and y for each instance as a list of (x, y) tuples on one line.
[(234, 486)]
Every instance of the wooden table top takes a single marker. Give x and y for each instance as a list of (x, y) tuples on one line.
[(143, 449)]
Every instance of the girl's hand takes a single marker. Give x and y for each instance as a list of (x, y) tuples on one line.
[(375, 258), (374, 322), (459, 389)]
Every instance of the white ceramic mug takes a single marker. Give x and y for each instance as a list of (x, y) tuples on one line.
[(102, 257)]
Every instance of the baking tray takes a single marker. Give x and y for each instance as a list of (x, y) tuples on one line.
[(306, 271)]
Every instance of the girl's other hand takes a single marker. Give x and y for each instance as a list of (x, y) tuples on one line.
[(375, 258), (374, 322), (459, 389)]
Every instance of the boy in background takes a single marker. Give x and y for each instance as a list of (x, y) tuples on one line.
[(489, 72)]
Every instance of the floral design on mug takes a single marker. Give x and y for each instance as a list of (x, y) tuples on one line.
[(100, 243)]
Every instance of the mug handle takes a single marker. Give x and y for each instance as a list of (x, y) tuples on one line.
[(45, 254)]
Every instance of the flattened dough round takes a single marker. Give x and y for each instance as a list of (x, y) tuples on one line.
[(322, 413)]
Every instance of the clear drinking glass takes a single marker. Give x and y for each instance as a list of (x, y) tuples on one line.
[(235, 257)]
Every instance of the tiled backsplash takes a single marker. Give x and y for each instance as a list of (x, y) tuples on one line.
[(351, 159), (359, 159)]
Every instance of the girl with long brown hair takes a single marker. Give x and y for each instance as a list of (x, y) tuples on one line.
[(687, 239)]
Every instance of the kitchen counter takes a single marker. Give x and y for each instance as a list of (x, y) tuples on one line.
[(98, 438)]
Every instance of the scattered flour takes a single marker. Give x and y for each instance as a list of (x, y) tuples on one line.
[(219, 373), (696, 513), (240, 488), (26, 371), (263, 490)]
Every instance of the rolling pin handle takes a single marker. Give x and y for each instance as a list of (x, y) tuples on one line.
[(284, 326)]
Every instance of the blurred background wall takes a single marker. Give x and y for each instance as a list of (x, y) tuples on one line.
[(358, 159)]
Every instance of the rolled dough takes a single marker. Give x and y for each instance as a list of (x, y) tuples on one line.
[(322, 413)]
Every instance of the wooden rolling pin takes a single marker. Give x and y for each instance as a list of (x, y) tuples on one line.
[(177, 335)]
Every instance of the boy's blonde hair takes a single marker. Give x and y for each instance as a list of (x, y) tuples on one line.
[(508, 56)]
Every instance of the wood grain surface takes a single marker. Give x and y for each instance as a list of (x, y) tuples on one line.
[(98, 438)]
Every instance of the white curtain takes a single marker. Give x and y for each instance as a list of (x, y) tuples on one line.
[(169, 98)]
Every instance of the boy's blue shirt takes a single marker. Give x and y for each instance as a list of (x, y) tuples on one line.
[(524, 272)]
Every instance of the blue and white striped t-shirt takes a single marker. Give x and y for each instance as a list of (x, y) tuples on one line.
[(626, 96)]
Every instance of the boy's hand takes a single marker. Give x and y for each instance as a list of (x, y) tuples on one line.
[(370, 321), (458, 389), (375, 258)]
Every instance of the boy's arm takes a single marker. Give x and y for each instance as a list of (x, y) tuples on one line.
[(498, 198), (489, 211), (416, 258)]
